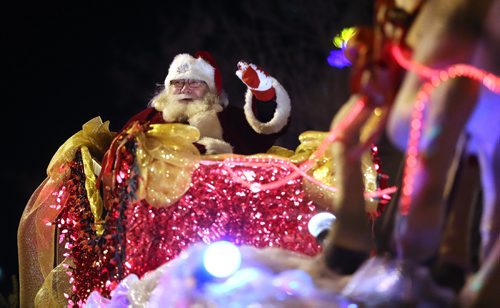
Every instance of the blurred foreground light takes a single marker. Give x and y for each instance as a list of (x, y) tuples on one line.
[(320, 223), (222, 259), (338, 59), (340, 40)]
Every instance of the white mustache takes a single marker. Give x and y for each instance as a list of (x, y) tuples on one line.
[(179, 97)]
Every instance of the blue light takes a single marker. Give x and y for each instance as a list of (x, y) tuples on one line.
[(222, 259), (293, 285)]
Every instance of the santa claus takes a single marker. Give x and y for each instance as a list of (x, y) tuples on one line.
[(193, 95)]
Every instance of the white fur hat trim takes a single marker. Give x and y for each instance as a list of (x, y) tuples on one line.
[(185, 66)]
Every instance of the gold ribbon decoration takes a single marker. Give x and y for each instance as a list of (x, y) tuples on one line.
[(167, 157), (95, 135), (93, 195)]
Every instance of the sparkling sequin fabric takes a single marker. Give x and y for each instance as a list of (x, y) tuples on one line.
[(139, 237)]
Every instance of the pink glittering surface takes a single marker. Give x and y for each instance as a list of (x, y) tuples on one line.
[(139, 238), (216, 207)]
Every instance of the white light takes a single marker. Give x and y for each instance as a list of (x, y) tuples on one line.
[(320, 222), (222, 259)]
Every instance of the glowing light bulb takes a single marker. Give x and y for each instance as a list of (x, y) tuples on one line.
[(320, 222), (222, 259), (340, 40), (337, 58)]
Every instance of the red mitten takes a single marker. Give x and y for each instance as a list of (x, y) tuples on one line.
[(257, 80)]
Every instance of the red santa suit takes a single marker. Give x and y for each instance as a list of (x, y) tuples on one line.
[(250, 130)]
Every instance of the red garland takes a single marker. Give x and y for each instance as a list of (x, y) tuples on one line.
[(75, 227)]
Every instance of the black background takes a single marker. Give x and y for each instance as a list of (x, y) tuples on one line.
[(67, 63)]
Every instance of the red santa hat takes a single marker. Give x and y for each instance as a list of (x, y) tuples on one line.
[(200, 67)]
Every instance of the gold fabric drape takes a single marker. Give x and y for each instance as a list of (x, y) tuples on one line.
[(166, 157), (35, 232)]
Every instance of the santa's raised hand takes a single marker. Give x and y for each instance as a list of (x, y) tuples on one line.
[(257, 80)]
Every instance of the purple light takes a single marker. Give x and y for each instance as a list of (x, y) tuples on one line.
[(338, 59)]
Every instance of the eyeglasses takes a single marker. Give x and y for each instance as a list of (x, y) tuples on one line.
[(190, 83)]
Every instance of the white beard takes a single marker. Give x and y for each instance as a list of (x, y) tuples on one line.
[(200, 113), (175, 110)]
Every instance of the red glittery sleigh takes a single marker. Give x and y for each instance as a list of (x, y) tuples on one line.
[(135, 233)]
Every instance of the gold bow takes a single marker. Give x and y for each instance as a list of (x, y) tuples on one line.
[(95, 135), (167, 157)]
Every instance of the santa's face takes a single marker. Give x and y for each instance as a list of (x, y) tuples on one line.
[(188, 89)]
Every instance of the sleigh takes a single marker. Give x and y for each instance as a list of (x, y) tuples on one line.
[(87, 229)]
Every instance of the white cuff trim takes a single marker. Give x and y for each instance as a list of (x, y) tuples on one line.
[(281, 114), (215, 146)]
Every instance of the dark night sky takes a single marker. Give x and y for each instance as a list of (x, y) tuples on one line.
[(59, 73), (67, 64)]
